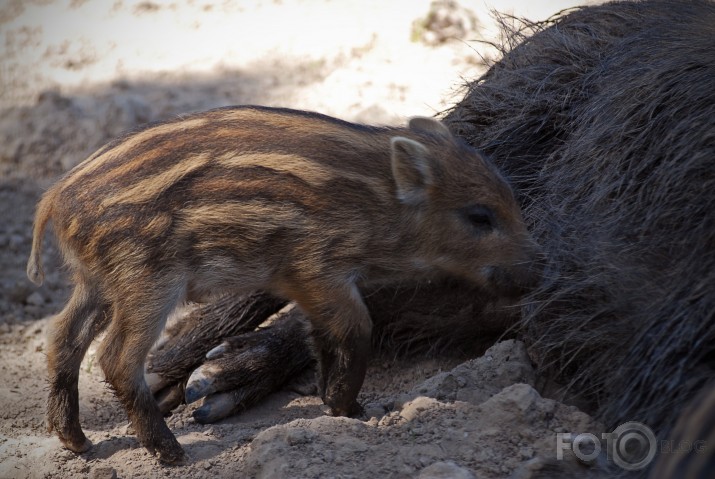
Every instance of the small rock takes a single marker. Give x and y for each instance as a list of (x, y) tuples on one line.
[(82, 468), (299, 436), (35, 299), (447, 20), (417, 430), (414, 408), (523, 396), (103, 472), (391, 419)]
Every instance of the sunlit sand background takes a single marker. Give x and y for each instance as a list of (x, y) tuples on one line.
[(357, 51)]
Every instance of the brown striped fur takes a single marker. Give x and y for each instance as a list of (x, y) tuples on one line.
[(236, 199)]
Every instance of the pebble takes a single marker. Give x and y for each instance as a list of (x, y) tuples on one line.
[(103, 472), (35, 299), (416, 407), (417, 430), (299, 436)]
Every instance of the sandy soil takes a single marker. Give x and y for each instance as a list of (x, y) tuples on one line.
[(74, 74)]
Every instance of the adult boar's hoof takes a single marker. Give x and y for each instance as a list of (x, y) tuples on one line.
[(246, 368)]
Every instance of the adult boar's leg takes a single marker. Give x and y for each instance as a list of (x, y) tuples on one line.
[(244, 369), (187, 342)]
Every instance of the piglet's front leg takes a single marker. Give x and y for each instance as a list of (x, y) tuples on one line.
[(342, 333), (342, 372)]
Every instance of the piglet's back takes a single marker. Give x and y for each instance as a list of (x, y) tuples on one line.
[(230, 178)]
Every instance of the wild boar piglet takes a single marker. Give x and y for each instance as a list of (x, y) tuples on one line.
[(235, 199)]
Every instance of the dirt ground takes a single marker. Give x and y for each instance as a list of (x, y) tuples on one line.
[(74, 74)]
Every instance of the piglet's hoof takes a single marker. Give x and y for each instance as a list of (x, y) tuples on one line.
[(171, 459), (77, 446), (353, 410), (71, 437), (173, 456)]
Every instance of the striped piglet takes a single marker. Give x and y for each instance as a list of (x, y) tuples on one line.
[(305, 206)]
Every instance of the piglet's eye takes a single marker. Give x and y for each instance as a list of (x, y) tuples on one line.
[(480, 217)]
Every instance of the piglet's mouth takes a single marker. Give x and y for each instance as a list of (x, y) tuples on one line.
[(512, 283)]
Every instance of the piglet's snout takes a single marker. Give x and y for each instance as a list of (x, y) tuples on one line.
[(519, 278)]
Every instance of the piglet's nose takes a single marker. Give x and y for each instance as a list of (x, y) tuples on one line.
[(516, 280)]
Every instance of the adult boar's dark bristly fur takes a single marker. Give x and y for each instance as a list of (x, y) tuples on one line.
[(604, 120), (238, 199), (690, 451)]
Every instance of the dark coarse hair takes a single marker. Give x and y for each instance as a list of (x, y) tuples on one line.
[(604, 120)]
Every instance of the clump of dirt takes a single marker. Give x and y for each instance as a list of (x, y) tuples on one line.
[(492, 430), (446, 21)]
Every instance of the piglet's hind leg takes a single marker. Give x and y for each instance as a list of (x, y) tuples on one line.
[(71, 333), (135, 326)]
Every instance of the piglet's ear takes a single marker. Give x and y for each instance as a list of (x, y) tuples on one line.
[(429, 125), (412, 169)]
